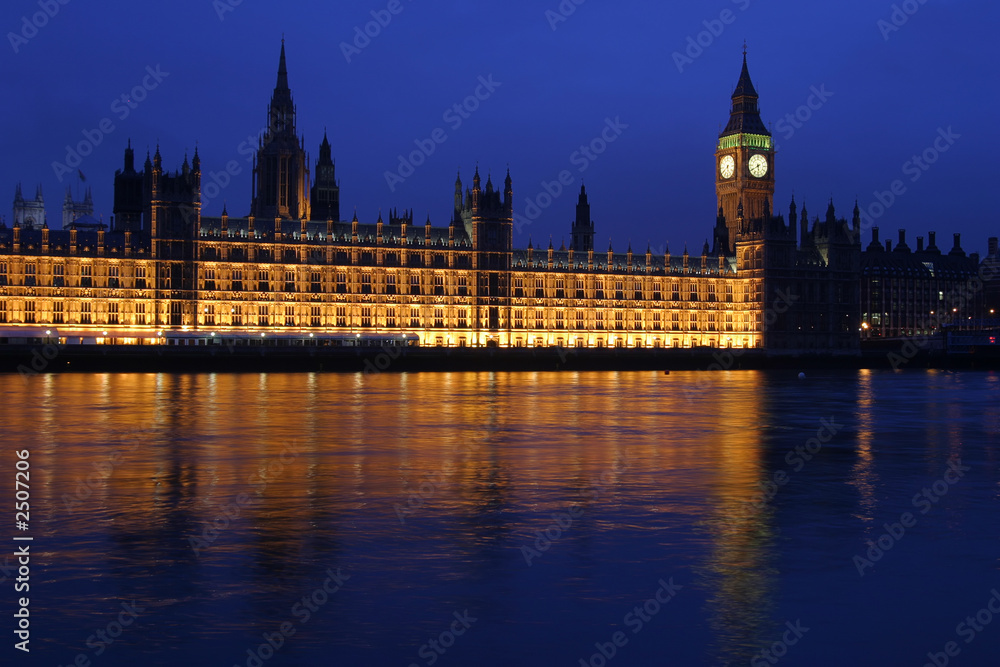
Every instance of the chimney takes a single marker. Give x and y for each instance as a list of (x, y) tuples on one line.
[(930, 240), (920, 244), (875, 235), (902, 237), (888, 245)]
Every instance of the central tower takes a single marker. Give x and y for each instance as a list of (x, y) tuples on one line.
[(281, 172), (744, 160)]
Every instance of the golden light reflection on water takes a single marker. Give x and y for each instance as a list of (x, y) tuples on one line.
[(306, 463), (863, 476)]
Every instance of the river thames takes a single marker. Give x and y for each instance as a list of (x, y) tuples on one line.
[(728, 518)]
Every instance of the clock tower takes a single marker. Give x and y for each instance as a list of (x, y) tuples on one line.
[(744, 160)]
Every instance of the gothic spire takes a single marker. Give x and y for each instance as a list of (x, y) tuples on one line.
[(283, 70), (281, 112), (325, 152), (744, 87)]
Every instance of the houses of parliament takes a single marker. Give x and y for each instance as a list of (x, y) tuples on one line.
[(293, 264)]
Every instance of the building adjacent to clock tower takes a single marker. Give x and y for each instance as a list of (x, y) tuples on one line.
[(744, 160)]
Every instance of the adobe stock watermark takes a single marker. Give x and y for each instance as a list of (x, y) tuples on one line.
[(303, 611), (101, 639), (796, 460), (223, 7), (215, 182), (925, 500), (383, 360), (779, 649), (41, 357), (431, 483), (122, 107), (957, 298), (696, 44), (900, 14), (363, 36), (227, 514), (419, 495), (436, 647), (797, 119), (635, 620), (914, 168), (727, 357), (968, 629), (581, 158), (563, 521), (562, 13), (31, 25), (86, 486), (454, 116)]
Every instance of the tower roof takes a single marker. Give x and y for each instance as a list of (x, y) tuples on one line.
[(744, 88), (282, 83), (744, 117)]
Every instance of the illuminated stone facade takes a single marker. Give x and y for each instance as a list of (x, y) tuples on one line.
[(165, 266)]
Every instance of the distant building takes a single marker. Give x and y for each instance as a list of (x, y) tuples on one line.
[(293, 265), (991, 293), (74, 210), (29, 213), (916, 292)]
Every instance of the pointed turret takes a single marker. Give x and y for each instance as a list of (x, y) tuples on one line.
[(804, 224), (281, 113), (282, 83), (745, 114), (792, 217), (508, 193), (324, 200), (583, 227), (129, 167)]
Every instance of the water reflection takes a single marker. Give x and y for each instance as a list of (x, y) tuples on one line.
[(863, 475), (219, 498)]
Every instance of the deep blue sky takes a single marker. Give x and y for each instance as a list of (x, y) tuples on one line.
[(607, 60)]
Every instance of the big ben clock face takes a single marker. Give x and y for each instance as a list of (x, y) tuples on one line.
[(758, 165), (727, 166)]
